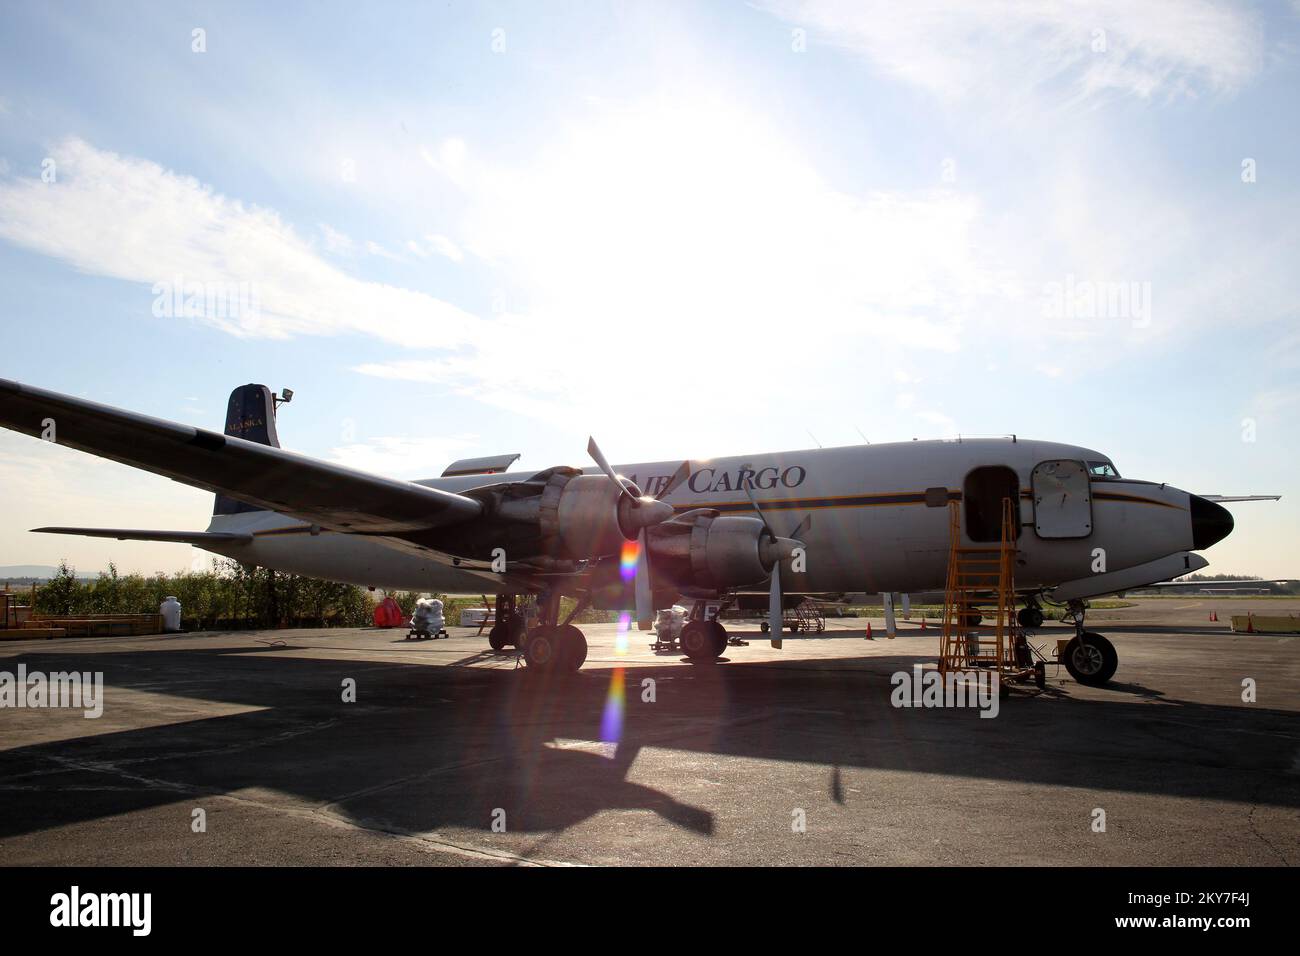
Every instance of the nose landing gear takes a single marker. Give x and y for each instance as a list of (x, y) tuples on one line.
[(1089, 657)]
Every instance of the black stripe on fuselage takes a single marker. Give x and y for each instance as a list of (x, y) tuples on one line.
[(807, 504)]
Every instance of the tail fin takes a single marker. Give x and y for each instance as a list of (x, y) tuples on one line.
[(250, 415)]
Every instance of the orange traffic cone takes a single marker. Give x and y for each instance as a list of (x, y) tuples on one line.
[(1214, 615), (869, 637), (1250, 623), (923, 624)]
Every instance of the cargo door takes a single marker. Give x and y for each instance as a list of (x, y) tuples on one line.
[(1062, 499)]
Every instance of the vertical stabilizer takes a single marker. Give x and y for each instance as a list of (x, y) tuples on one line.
[(250, 415)]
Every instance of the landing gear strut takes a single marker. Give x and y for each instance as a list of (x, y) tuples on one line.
[(1089, 657), (551, 646), (510, 623)]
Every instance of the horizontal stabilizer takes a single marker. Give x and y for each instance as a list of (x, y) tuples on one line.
[(1229, 498), (492, 465), (199, 538)]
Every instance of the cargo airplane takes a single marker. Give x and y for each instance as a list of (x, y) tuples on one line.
[(641, 536)]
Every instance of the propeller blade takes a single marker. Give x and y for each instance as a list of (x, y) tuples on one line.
[(774, 606), (681, 474), (645, 611), (598, 456), (804, 525), (749, 492)]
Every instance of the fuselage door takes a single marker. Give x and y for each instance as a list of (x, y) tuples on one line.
[(1062, 499)]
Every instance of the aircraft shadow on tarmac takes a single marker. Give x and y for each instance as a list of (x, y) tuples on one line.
[(426, 747)]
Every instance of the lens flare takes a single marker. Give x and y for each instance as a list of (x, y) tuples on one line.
[(611, 722), (627, 561), (620, 640)]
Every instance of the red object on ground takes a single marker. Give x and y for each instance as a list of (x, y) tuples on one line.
[(388, 614), (869, 637)]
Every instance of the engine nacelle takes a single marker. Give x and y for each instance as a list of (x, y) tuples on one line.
[(583, 517), (706, 549), (577, 516)]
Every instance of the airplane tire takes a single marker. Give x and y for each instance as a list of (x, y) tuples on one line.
[(719, 639), (1030, 617), (497, 637), (516, 630), (1092, 661), (699, 641), (541, 649), (571, 648)]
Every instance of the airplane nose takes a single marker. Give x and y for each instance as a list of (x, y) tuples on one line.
[(1211, 522)]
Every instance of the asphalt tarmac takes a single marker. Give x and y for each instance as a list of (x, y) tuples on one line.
[(452, 754)]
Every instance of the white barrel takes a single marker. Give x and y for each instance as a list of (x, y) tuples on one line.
[(170, 609)]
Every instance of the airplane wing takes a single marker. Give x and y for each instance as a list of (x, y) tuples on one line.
[(1223, 498), (1216, 582), (318, 492), (199, 538)]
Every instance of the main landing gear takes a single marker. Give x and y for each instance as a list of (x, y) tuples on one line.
[(703, 641), (551, 646), (1031, 615), (511, 622), (1089, 657)]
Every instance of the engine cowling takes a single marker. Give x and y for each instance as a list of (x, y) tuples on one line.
[(714, 551), (579, 516)]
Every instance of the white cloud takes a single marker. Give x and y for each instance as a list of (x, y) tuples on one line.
[(449, 158), (1004, 50), (399, 457), (131, 219), (945, 424), (435, 245), (667, 243), (335, 241), (445, 247)]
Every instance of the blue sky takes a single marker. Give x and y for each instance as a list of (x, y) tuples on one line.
[(690, 229)]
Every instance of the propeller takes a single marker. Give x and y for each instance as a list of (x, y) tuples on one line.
[(640, 513), (773, 550)]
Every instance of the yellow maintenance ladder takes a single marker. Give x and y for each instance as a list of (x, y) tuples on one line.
[(975, 573)]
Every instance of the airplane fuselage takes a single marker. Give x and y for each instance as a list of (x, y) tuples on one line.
[(879, 517)]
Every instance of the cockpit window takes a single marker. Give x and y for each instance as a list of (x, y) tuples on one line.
[(1102, 469)]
